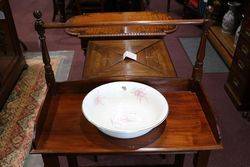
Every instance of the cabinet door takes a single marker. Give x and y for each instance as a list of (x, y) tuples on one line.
[(8, 53)]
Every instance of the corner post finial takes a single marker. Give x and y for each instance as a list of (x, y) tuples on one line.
[(39, 27)]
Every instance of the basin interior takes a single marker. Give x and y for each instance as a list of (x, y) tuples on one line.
[(125, 107)]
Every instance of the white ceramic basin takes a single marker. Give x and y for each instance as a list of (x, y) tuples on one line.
[(125, 109)]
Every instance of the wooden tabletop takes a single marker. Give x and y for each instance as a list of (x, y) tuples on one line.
[(67, 131), (131, 30), (105, 59)]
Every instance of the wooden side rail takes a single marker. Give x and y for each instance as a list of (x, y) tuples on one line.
[(162, 85), (127, 23), (207, 109)]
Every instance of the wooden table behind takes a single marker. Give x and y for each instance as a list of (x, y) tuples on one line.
[(120, 31), (105, 59)]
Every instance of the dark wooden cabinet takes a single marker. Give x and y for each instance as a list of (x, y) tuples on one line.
[(238, 82), (11, 59)]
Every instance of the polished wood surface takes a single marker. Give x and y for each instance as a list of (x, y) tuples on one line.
[(132, 30), (105, 59), (223, 43), (227, 40), (186, 129)]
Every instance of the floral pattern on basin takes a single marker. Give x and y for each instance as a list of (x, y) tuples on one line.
[(98, 100), (123, 118), (140, 94)]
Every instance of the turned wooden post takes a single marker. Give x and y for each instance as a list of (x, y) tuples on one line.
[(49, 74), (198, 66)]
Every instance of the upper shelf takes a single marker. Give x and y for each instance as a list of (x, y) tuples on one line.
[(126, 31)]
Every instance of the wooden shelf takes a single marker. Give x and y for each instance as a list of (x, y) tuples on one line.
[(223, 43), (63, 123)]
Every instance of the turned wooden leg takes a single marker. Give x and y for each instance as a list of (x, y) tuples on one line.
[(95, 158), (179, 160), (201, 158), (23, 45), (61, 6), (72, 161), (25, 66), (163, 156), (246, 115), (84, 45), (168, 5), (50, 160), (55, 8)]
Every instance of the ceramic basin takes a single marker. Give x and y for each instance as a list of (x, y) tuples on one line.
[(125, 109)]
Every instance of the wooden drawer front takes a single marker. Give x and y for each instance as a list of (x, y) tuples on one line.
[(241, 61), (1, 81), (239, 76), (238, 83), (246, 29), (246, 33), (242, 66), (243, 50)]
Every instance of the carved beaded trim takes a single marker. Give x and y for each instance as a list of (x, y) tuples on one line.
[(123, 35)]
